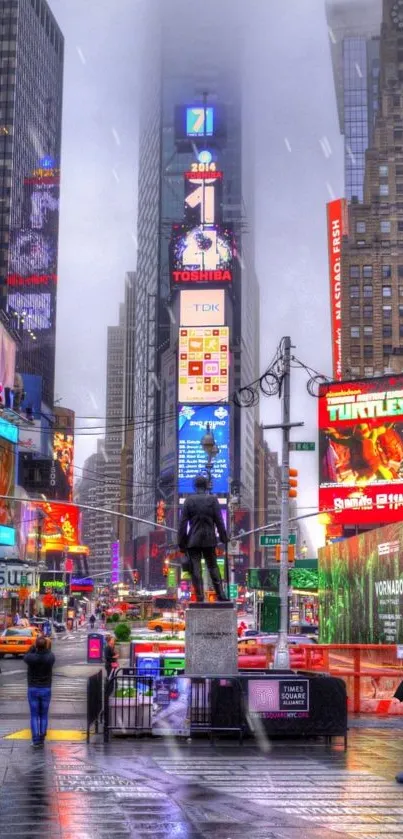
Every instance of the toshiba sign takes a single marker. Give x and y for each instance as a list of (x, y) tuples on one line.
[(202, 308)]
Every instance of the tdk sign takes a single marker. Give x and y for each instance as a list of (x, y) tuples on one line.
[(205, 307)]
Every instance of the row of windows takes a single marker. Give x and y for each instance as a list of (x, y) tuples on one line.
[(368, 291), (368, 350), (385, 226), (367, 271), (355, 331)]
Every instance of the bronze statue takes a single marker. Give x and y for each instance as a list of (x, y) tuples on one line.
[(200, 517)]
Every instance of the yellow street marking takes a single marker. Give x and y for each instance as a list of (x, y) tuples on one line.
[(71, 735)]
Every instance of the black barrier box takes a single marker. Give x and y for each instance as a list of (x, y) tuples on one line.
[(95, 648)]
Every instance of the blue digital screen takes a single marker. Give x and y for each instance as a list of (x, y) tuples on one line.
[(8, 431), (7, 536), (192, 459), (200, 122)]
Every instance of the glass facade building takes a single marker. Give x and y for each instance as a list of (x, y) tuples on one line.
[(31, 83)]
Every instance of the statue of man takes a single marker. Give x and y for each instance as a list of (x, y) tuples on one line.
[(201, 515)]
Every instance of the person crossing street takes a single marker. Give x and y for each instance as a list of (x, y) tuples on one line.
[(40, 661)]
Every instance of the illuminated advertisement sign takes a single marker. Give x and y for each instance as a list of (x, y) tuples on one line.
[(7, 358), (361, 450), (7, 477), (8, 431), (60, 525), (200, 122), (201, 254), (203, 364), (361, 589), (203, 198), (337, 227), (56, 582), (115, 563), (63, 453), (79, 584), (34, 310), (7, 536), (192, 425), (30, 438), (168, 413), (202, 307)]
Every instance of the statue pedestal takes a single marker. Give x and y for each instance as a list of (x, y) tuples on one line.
[(211, 639)]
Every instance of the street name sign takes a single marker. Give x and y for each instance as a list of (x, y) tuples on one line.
[(270, 540), (301, 447)]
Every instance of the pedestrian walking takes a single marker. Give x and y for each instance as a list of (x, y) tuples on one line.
[(40, 661), (111, 657), (92, 622), (16, 619)]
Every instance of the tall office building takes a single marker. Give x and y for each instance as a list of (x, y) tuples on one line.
[(193, 103), (354, 30), (31, 80), (372, 249)]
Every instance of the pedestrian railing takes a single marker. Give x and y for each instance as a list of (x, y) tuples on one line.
[(94, 701)]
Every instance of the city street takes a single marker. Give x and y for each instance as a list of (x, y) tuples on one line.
[(136, 788)]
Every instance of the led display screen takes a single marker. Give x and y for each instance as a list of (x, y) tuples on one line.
[(192, 425), (59, 524), (361, 450), (200, 121), (115, 563), (7, 478), (7, 536), (203, 307), (8, 431), (201, 254), (203, 125), (203, 198), (34, 310), (63, 453), (7, 358), (337, 227), (203, 364)]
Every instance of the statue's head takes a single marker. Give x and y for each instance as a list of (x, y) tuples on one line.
[(201, 483)]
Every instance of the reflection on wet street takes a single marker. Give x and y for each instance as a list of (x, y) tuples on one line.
[(135, 788)]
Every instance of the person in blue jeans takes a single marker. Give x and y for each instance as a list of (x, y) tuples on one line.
[(40, 661)]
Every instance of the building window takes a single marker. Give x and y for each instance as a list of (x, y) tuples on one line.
[(367, 291), (355, 291), (368, 311), (361, 243), (386, 271), (383, 170), (383, 190), (387, 331), (354, 272), (387, 291), (360, 227), (355, 351), (354, 311), (387, 312), (368, 371), (356, 371), (400, 311), (387, 349), (385, 226), (368, 331), (368, 351), (355, 332), (367, 272)]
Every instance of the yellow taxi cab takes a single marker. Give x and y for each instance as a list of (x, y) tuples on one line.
[(17, 640), (166, 624)]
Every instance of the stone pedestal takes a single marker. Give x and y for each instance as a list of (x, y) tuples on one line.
[(211, 639)]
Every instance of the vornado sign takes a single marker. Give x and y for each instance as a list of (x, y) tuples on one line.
[(202, 308), (10, 578)]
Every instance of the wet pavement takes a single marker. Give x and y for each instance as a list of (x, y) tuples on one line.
[(193, 790)]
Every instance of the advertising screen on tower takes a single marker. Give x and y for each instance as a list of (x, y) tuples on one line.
[(337, 227), (201, 254), (63, 453), (203, 364), (192, 425), (361, 451), (202, 307)]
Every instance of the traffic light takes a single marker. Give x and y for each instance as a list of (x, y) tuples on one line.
[(292, 483), (291, 553)]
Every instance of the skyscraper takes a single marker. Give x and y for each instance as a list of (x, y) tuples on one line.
[(186, 65), (31, 79), (372, 250), (354, 29)]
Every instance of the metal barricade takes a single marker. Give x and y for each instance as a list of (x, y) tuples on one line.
[(94, 701), (128, 702)]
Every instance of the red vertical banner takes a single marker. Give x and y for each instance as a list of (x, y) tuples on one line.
[(337, 227)]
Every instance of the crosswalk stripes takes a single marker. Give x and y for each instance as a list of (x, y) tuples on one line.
[(63, 690)]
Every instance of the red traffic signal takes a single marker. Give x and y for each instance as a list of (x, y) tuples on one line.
[(292, 483)]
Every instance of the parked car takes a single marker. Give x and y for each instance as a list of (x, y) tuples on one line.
[(15, 641)]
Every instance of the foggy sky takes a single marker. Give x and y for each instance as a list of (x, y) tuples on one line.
[(295, 109)]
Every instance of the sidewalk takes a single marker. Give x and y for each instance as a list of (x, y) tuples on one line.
[(162, 790)]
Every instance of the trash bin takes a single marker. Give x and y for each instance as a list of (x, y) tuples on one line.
[(95, 648)]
